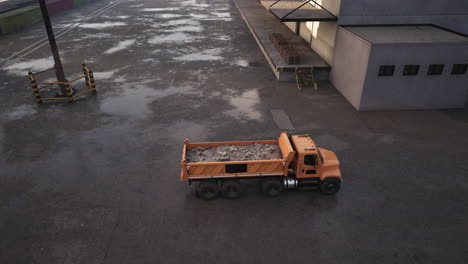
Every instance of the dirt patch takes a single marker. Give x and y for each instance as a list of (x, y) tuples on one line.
[(257, 151)]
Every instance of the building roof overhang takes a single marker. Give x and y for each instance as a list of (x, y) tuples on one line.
[(299, 11)]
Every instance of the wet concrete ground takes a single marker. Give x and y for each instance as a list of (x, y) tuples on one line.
[(97, 181)]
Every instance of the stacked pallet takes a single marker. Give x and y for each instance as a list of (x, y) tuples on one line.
[(287, 52), (277, 39)]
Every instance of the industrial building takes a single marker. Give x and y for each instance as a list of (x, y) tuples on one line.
[(400, 67), (381, 55)]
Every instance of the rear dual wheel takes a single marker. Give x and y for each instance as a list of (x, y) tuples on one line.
[(210, 189)]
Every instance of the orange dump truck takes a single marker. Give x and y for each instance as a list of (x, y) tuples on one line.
[(301, 165)]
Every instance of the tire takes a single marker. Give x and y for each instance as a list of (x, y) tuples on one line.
[(271, 187), (231, 188), (330, 186), (207, 189)]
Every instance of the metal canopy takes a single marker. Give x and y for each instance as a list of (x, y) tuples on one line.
[(294, 10)]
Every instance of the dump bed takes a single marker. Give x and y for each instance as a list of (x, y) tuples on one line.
[(245, 168)]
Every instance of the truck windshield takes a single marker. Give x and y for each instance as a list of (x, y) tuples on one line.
[(320, 155)]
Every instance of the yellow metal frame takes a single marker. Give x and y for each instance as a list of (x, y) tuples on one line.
[(87, 75), (312, 78)]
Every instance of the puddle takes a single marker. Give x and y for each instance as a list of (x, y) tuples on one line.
[(120, 46), (139, 5), (245, 106), (169, 15), (219, 14), (22, 68), (102, 25), (187, 28), (151, 60), (206, 55), (136, 101), (180, 22), (104, 75), (176, 37), (217, 17), (98, 35), (159, 9), (122, 17), (223, 37), (194, 4), (65, 25), (20, 112), (242, 63)]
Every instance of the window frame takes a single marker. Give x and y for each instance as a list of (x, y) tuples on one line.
[(464, 65), (382, 70), (411, 69), (431, 71)]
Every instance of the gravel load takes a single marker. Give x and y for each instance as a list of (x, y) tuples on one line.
[(256, 151)]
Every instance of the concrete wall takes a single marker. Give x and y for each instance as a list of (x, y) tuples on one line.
[(323, 39), (452, 14), (349, 65), (421, 91), (291, 26), (333, 6), (321, 36), (305, 31)]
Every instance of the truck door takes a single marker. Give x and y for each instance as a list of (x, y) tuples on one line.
[(308, 166)]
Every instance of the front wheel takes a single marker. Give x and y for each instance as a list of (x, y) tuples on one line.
[(330, 186)]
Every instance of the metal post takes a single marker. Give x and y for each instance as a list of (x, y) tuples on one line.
[(93, 83), (53, 46), (35, 89)]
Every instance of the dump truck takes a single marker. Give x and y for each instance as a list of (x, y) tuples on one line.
[(300, 164)]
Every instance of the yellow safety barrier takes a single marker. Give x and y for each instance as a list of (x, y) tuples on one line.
[(70, 96)]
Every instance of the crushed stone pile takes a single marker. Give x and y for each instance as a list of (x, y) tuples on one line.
[(256, 151)]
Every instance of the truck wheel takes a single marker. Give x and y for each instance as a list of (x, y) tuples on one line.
[(231, 189), (272, 187), (207, 189), (330, 186)]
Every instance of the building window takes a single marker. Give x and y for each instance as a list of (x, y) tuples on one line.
[(435, 69), (411, 70), (386, 70), (459, 68)]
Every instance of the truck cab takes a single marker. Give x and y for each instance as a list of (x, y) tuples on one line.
[(313, 165)]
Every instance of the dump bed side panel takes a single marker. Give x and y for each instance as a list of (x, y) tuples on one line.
[(202, 170)]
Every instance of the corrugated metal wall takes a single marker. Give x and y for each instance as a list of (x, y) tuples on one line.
[(415, 92)]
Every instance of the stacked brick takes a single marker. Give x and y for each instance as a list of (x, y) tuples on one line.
[(289, 53)]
